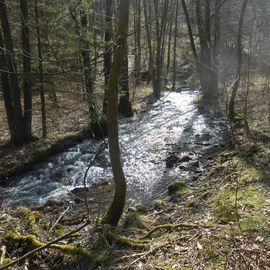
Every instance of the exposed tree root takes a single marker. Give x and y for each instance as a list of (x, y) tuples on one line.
[(124, 241), (33, 243)]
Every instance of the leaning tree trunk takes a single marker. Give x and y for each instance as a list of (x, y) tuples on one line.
[(27, 91), (239, 63), (116, 208), (191, 38)]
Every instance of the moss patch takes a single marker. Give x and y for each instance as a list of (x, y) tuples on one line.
[(178, 188), (224, 202), (135, 220), (253, 223)]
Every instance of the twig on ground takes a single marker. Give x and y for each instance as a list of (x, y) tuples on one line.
[(145, 254), (60, 217), (3, 251)]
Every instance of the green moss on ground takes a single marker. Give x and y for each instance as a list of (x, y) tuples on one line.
[(227, 209), (178, 188), (253, 223), (30, 242)]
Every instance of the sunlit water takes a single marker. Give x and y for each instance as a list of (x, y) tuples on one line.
[(172, 124)]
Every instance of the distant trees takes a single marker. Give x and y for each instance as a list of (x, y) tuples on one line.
[(158, 12), (206, 57), (66, 47)]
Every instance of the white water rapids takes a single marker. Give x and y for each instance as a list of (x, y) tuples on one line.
[(171, 125)]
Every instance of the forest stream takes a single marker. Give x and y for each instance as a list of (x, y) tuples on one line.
[(163, 142)]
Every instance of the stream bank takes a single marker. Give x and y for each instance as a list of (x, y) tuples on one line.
[(221, 223)]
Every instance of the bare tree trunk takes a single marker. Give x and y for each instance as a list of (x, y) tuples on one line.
[(164, 23), (239, 62), (191, 37), (6, 87), (27, 89), (107, 51), (170, 37), (85, 51), (216, 45), (116, 209), (190, 33), (41, 77), (18, 121), (137, 34), (158, 63), (149, 43), (175, 45), (124, 106)]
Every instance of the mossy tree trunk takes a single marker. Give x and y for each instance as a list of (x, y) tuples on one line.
[(115, 210)]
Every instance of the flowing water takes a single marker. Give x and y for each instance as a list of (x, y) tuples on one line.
[(171, 127)]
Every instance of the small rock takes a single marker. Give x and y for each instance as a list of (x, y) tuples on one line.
[(141, 208), (79, 190), (183, 167), (206, 137), (185, 158), (194, 178), (195, 164), (187, 129), (171, 161), (198, 171)]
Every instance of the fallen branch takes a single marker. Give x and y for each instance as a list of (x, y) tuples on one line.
[(44, 246), (169, 227)]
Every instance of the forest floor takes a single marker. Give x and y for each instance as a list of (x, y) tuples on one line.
[(222, 223), (67, 125)]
